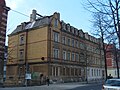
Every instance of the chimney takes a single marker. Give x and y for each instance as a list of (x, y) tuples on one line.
[(33, 15), (58, 15), (23, 25)]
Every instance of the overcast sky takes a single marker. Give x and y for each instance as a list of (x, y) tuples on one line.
[(71, 11)]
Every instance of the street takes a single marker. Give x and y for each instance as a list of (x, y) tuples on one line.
[(88, 87), (63, 86)]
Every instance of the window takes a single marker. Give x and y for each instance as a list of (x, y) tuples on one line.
[(56, 36), (68, 27), (72, 71), (80, 71), (88, 72), (73, 56), (82, 46), (64, 55), (53, 71), (4, 74), (92, 72), (4, 68), (82, 57), (69, 41), (63, 40), (61, 70), (58, 71), (67, 71), (76, 71), (68, 55), (22, 39), (64, 71), (72, 42), (77, 57), (20, 71), (55, 23), (21, 54), (115, 72), (56, 53), (76, 43), (99, 72), (63, 25)]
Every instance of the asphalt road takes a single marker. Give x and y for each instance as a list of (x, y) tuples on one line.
[(88, 87)]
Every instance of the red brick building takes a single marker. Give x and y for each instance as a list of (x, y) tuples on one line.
[(111, 59), (3, 24), (109, 55)]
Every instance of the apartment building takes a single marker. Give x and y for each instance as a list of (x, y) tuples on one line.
[(3, 24), (111, 53), (5, 61), (48, 47)]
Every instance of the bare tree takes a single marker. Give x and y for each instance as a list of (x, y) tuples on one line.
[(109, 9), (101, 30), (106, 21)]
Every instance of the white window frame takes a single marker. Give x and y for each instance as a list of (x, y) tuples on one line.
[(21, 54), (56, 53), (55, 23), (82, 46), (64, 55), (76, 42), (68, 55), (77, 57), (63, 39), (73, 42), (56, 37), (58, 71), (73, 56), (92, 72), (22, 39), (69, 43)]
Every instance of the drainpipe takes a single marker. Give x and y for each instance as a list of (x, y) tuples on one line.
[(49, 49), (26, 62)]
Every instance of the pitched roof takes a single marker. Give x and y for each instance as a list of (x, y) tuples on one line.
[(30, 25)]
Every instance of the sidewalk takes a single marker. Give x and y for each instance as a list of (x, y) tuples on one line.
[(60, 86), (57, 86)]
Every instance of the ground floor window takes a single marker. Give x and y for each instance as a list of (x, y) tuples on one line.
[(65, 71), (54, 71)]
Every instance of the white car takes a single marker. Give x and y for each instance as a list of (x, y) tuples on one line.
[(112, 84)]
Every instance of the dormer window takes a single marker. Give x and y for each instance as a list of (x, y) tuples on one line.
[(55, 23), (76, 31), (80, 33), (68, 27), (72, 29), (63, 26), (86, 36)]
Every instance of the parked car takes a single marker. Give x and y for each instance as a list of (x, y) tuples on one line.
[(112, 84)]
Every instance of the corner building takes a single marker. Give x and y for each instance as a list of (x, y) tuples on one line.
[(3, 24), (48, 47)]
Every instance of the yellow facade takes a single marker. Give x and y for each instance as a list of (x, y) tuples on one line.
[(61, 61)]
